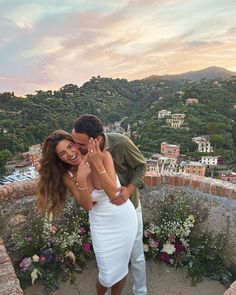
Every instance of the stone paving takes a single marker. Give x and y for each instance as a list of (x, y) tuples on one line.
[(162, 280)]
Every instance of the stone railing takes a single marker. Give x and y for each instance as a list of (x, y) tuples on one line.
[(17, 199), (9, 284)]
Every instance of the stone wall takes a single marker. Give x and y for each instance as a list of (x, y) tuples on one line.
[(219, 197), (9, 284)]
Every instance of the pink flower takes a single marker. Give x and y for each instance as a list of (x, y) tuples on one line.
[(147, 233), (154, 244), (179, 246), (86, 247), (42, 259), (82, 231), (53, 229), (26, 263), (164, 257), (30, 239)]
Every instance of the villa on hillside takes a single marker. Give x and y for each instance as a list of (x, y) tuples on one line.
[(170, 150), (192, 167), (228, 176), (210, 160), (204, 145), (163, 113), (192, 101), (176, 120)]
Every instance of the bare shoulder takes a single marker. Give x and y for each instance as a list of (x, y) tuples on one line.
[(67, 179)]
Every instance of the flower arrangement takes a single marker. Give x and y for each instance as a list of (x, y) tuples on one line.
[(53, 249), (170, 239)]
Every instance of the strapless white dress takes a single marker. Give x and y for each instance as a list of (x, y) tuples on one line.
[(113, 231)]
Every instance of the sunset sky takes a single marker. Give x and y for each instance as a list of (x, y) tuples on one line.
[(47, 44)]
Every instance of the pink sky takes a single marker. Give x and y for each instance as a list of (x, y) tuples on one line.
[(45, 46)]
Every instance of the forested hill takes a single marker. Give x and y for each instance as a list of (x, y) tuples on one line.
[(26, 121)]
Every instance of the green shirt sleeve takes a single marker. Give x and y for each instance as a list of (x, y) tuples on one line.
[(135, 161)]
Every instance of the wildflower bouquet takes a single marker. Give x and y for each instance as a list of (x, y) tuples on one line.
[(53, 249), (170, 239)]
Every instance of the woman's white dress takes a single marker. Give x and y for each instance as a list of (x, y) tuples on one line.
[(113, 231)]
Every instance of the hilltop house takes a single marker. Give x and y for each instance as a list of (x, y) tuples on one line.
[(192, 101), (210, 160), (204, 145), (170, 150), (192, 168), (176, 120), (163, 114), (228, 176)]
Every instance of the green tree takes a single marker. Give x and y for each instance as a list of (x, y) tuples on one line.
[(217, 140)]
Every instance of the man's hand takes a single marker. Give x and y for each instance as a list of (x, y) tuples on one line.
[(123, 193)]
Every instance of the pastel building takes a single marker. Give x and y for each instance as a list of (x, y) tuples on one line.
[(193, 167), (204, 145), (176, 120), (163, 113), (170, 150), (192, 101), (228, 176), (210, 160)]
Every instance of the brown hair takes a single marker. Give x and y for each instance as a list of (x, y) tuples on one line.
[(51, 195)]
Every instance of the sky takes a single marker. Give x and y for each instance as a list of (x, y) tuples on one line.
[(47, 44)]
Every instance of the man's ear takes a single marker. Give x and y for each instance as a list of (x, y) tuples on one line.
[(100, 141)]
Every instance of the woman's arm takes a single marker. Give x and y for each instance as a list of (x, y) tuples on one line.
[(78, 187)]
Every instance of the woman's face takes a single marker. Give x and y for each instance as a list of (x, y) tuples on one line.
[(68, 153)]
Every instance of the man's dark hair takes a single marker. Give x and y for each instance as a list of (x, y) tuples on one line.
[(89, 124)]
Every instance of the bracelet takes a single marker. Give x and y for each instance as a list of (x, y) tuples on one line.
[(102, 172), (80, 188)]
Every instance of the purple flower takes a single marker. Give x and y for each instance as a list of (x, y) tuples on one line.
[(47, 253), (164, 257), (82, 231), (147, 233), (86, 247), (26, 263), (179, 247), (42, 259)]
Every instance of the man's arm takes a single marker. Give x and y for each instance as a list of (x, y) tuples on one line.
[(136, 164)]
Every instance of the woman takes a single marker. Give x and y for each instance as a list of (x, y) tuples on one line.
[(93, 182)]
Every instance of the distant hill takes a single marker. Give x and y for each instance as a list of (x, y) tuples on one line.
[(208, 73)]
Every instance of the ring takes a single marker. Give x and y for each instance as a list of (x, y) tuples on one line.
[(91, 151)]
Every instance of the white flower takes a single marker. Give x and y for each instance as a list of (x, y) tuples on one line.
[(168, 248), (35, 258), (145, 247), (34, 275)]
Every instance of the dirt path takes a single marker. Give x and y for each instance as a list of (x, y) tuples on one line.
[(162, 280)]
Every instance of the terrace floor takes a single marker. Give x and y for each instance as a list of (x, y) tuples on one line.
[(162, 280)]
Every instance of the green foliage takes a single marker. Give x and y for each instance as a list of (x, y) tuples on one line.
[(53, 249)]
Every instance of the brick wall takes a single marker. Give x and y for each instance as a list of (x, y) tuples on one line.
[(212, 186)]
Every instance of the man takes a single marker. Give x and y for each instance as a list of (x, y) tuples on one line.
[(130, 168)]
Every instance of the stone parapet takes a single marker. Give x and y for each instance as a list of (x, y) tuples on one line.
[(9, 284), (231, 290), (16, 190), (208, 185)]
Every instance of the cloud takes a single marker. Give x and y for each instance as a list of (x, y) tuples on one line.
[(57, 42)]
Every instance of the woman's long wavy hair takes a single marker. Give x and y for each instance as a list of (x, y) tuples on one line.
[(51, 195)]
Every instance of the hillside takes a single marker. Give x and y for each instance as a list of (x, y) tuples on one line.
[(207, 73), (27, 121)]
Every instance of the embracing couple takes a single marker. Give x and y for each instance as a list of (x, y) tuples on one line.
[(103, 172)]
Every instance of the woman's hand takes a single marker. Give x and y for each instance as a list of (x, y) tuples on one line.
[(95, 154), (83, 170)]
